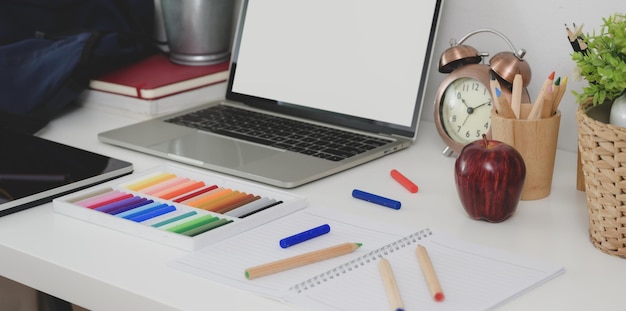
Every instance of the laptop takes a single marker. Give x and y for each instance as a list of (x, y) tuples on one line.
[(315, 88), (34, 170)]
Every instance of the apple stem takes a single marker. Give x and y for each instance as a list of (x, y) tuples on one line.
[(485, 140)]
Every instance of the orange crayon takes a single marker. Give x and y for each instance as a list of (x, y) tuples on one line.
[(249, 198), (208, 197), (179, 189), (224, 201)]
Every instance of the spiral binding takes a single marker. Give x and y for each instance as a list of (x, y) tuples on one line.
[(361, 261)]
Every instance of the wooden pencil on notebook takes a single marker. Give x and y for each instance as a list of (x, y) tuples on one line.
[(391, 286), (429, 274), (300, 260)]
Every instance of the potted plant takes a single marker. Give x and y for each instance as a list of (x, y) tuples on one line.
[(601, 143), (602, 63)]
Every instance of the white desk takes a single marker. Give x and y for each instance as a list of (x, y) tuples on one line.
[(102, 269)]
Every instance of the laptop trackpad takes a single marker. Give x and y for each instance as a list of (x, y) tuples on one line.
[(215, 150)]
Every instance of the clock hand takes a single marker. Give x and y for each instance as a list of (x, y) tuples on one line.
[(464, 103), (481, 105), (466, 117), (469, 109)]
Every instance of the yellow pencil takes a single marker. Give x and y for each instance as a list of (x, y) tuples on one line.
[(301, 260), (429, 274), (391, 287)]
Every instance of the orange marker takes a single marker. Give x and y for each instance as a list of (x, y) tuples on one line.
[(405, 182)]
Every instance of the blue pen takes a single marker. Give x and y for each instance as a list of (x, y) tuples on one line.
[(304, 236), (376, 199)]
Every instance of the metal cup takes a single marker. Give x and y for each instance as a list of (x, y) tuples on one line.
[(198, 31)]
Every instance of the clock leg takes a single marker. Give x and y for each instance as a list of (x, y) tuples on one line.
[(447, 151)]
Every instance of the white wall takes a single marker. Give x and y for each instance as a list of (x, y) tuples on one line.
[(538, 26)]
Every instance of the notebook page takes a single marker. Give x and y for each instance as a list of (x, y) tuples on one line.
[(472, 278), (226, 260)]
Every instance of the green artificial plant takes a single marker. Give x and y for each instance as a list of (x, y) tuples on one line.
[(603, 64)]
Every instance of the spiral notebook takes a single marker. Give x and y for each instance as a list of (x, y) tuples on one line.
[(473, 277)]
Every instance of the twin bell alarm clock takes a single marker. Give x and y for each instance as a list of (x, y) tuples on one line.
[(463, 101)]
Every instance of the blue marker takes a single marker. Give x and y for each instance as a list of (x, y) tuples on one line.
[(304, 236), (376, 199)]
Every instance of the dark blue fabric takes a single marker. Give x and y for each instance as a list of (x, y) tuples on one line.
[(20, 19), (49, 50), (37, 73)]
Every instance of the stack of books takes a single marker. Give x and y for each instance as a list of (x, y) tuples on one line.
[(156, 86)]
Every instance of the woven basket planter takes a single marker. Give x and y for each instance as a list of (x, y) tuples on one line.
[(602, 154)]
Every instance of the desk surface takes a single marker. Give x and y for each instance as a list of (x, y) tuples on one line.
[(103, 269)]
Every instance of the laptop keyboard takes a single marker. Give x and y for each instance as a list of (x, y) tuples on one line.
[(283, 133)]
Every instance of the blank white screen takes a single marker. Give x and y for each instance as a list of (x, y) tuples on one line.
[(360, 57)]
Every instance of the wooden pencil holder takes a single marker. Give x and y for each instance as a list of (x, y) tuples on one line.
[(536, 140)]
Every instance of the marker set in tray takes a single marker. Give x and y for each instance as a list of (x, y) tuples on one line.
[(178, 206)]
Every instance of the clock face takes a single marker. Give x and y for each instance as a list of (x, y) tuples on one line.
[(465, 110)]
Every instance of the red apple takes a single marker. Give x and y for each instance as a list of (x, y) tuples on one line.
[(489, 176)]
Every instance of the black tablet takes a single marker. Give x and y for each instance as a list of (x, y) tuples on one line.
[(34, 170)]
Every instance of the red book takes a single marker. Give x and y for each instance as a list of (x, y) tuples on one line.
[(156, 76)]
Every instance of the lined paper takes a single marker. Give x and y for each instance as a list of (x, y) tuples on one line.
[(473, 277), (226, 261)]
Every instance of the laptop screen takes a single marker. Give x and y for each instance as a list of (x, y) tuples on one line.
[(362, 64)]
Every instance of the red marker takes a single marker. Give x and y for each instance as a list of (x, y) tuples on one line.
[(405, 182)]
